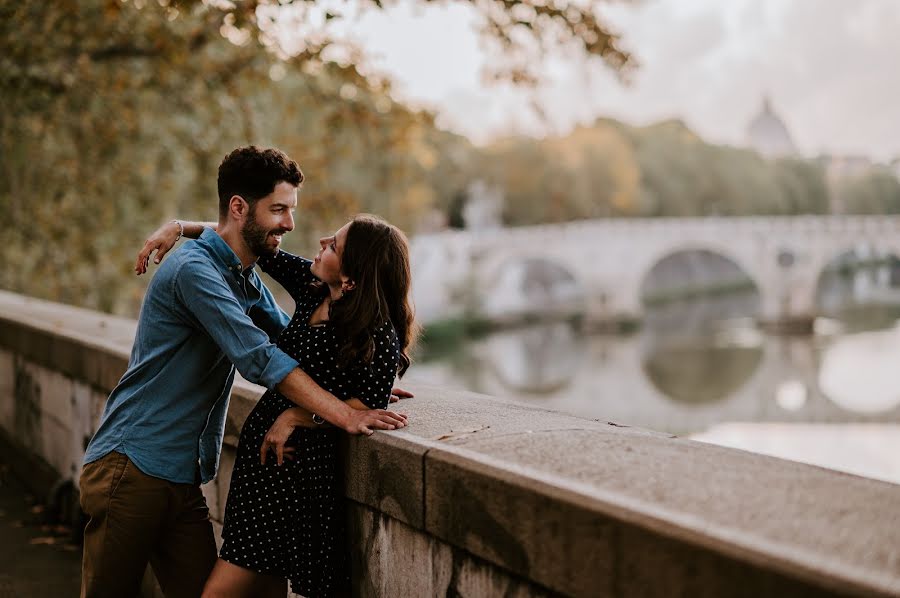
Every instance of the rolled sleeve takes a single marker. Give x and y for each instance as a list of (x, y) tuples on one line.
[(207, 296)]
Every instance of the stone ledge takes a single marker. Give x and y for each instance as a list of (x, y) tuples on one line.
[(583, 540), (579, 506)]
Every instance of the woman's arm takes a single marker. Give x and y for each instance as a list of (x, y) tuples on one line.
[(164, 239), (275, 440), (291, 271)]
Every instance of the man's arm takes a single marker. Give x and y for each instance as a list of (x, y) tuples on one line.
[(300, 389), (281, 429), (164, 239), (362, 419), (203, 291)]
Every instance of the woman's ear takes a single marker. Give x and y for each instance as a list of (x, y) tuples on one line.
[(347, 284)]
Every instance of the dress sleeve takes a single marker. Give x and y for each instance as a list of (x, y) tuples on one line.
[(290, 271), (372, 382)]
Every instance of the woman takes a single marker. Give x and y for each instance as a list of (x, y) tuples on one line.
[(350, 333)]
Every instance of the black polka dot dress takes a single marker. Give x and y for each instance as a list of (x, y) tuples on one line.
[(288, 520)]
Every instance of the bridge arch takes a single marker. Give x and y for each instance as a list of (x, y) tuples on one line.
[(529, 284), (664, 252), (823, 266), (694, 250)]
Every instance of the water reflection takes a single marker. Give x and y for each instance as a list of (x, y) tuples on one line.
[(537, 361), (859, 371), (703, 369), (791, 395), (702, 373)]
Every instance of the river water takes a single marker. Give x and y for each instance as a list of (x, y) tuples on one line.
[(702, 369)]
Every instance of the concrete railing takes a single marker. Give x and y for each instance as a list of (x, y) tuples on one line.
[(484, 497)]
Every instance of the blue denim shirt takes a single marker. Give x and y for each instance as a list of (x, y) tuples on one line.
[(202, 316)]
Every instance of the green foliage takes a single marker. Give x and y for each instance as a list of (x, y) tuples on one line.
[(875, 192), (117, 112), (662, 170), (117, 115)]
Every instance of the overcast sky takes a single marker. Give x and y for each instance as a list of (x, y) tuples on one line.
[(826, 64)]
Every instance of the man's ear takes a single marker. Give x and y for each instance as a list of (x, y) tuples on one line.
[(238, 207)]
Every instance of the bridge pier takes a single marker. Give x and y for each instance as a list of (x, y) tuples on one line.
[(607, 313), (795, 324), (788, 302)]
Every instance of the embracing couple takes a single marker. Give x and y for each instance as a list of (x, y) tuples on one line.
[(330, 368)]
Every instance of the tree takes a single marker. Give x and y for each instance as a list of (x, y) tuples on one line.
[(874, 192), (116, 113)]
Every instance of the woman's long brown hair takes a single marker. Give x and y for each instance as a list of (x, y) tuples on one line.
[(376, 259)]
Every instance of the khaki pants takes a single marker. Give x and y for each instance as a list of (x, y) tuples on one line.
[(135, 519)]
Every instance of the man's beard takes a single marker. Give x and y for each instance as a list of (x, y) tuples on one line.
[(256, 236)]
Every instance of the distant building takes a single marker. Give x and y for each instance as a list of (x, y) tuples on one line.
[(768, 135), (483, 209)]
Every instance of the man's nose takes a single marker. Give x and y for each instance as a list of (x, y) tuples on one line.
[(287, 222)]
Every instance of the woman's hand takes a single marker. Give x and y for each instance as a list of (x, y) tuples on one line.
[(161, 241), (278, 435), (399, 393)]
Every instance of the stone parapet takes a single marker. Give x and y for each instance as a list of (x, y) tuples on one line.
[(485, 497)]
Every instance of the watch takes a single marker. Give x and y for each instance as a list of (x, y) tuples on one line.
[(318, 419)]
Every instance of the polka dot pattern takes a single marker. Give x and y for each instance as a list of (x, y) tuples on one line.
[(288, 520)]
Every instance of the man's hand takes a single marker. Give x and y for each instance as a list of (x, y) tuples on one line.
[(369, 420), (161, 241), (276, 438), (399, 393)]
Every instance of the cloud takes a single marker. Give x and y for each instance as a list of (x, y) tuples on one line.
[(827, 64)]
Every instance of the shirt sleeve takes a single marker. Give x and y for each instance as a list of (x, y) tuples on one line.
[(212, 303), (267, 314), (290, 271), (372, 382)]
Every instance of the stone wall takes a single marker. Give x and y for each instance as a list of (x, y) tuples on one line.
[(485, 497)]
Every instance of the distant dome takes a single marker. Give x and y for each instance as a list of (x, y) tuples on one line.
[(768, 134)]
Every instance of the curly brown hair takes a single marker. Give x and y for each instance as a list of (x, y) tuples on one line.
[(376, 259), (252, 173)]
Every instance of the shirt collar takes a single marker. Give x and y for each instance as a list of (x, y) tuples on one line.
[(222, 252)]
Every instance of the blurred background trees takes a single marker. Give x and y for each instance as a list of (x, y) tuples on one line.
[(116, 114)]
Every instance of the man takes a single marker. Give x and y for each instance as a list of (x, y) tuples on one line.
[(205, 312)]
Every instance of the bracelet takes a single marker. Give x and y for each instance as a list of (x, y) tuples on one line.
[(180, 230), (318, 419)]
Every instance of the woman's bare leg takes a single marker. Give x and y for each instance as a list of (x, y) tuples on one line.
[(231, 581)]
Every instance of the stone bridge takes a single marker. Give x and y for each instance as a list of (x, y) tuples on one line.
[(606, 262)]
